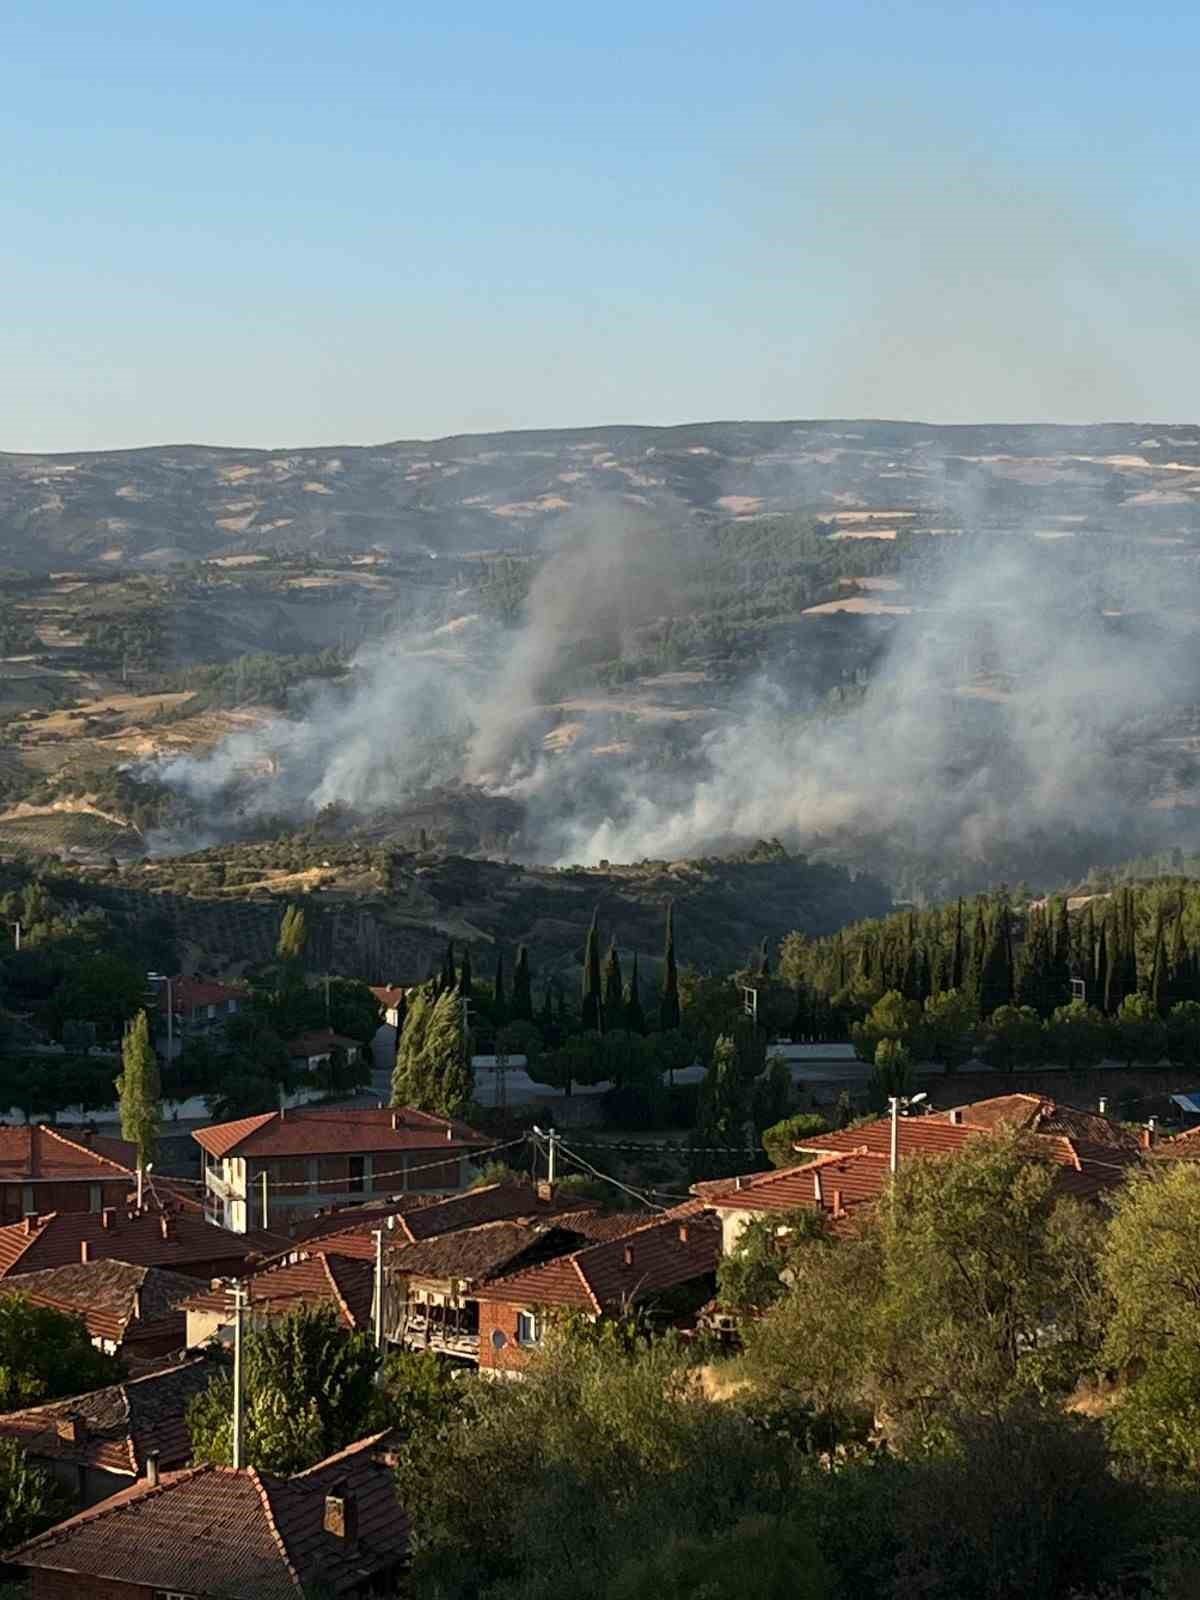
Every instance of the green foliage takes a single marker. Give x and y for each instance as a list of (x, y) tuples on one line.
[(1077, 1035), (433, 1058), (139, 1090), (45, 1355), (892, 1076), (760, 1558), (416, 1391), (293, 935), (309, 1390), (102, 989), (891, 1017), (31, 1499), (769, 1249), (1013, 1037), (1138, 1034), (778, 1141)]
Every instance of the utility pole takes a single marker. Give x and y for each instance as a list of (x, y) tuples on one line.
[(552, 1155), (266, 1205), (239, 1306), (378, 1236), (160, 977)]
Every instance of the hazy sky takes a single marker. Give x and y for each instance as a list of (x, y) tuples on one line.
[(278, 224)]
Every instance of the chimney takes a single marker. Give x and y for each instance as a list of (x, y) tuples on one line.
[(737, 1182), (683, 1233), (108, 1218), (837, 1203), (449, 1134), (395, 1121), (817, 1185), (1103, 1105), (167, 1226), (137, 1304), (152, 1469), (85, 1249), (71, 1429), (341, 1513), (30, 1220), (955, 1116), (544, 1190), (628, 1255)]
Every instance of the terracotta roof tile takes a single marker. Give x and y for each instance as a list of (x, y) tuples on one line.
[(226, 1535), (674, 1248), (310, 1131), (1037, 1113), (492, 1202), (187, 993), (146, 1238), (316, 1278), (476, 1254), (108, 1295), (117, 1427), (319, 1041), (48, 1155)]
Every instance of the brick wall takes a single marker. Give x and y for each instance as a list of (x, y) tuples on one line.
[(70, 1586), (498, 1316)]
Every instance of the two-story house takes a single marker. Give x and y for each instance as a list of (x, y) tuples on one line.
[(292, 1163)]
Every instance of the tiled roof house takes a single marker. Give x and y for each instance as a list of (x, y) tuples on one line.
[(314, 1278), (130, 1310), (213, 1533), (98, 1443), (51, 1169), (182, 1242)]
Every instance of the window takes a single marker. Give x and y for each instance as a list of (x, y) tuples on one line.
[(529, 1328)]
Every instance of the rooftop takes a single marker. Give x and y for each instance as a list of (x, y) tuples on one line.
[(146, 1238), (108, 1294), (52, 1155), (473, 1255), (341, 1129), (389, 994), (115, 1429), (1037, 1113), (674, 1248), (319, 1042), (187, 993), (236, 1535), (316, 1278)]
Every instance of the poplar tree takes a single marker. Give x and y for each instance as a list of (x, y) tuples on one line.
[(139, 1089), (447, 1078), (521, 1007), (668, 1012), (293, 935), (592, 1010), (407, 1085)]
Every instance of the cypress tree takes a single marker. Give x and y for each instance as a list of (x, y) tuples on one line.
[(668, 1011), (995, 979), (466, 977), (1129, 972), (445, 1065), (592, 1011), (866, 965), (521, 1008), (635, 1017), (764, 961), (924, 976), (139, 1090), (841, 976), (1087, 951), (1098, 997), (958, 968), (908, 976), (614, 990), (499, 1009), (1181, 965), (1158, 986), (979, 950), (449, 978), (1115, 967)]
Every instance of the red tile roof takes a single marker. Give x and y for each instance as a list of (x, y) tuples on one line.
[(1037, 1113), (358, 1219), (117, 1428), (320, 1042), (187, 993), (317, 1278), (50, 1155), (491, 1202), (674, 1248), (389, 995), (337, 1130), (109, 1295), (226, 1535), (147, 1238)]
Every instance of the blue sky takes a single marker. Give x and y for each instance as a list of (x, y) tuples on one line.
[(295, 224)]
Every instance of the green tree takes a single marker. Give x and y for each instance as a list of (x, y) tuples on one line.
[(592, 1010), (1138, 1033), (45, 1354), (415, 1390), (445, 1073), (293, 936), (996, 973), (723, 1095), (408, 1084), (139, 1090), (756, 1272), (103, 989), (779, 1141), (891, 1017), (1183, 1034), (892, 1075), (635, 1017), (1077, 1035), (669, 1012), (308, 1391), (499, 1003), (31, 1499), (760, 1558), (1013, 1037), (614, 990), (521, 1008), (946, 1031)]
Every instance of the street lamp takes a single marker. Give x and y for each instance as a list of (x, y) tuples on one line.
[(894, 1103)]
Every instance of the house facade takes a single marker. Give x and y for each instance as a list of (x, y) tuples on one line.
[(315, 1158), (54, 1169)]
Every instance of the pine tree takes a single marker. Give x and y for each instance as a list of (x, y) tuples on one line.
[(521, 1009), (614, 991), (139, 1089), (635, 1017), (592, 1010), (669, 1015)]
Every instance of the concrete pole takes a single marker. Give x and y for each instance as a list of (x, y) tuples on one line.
[(266, 1205), (552, 1155), (239, 1303), (379, 1290)]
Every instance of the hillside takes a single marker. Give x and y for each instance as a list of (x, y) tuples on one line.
[(499, 491)]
